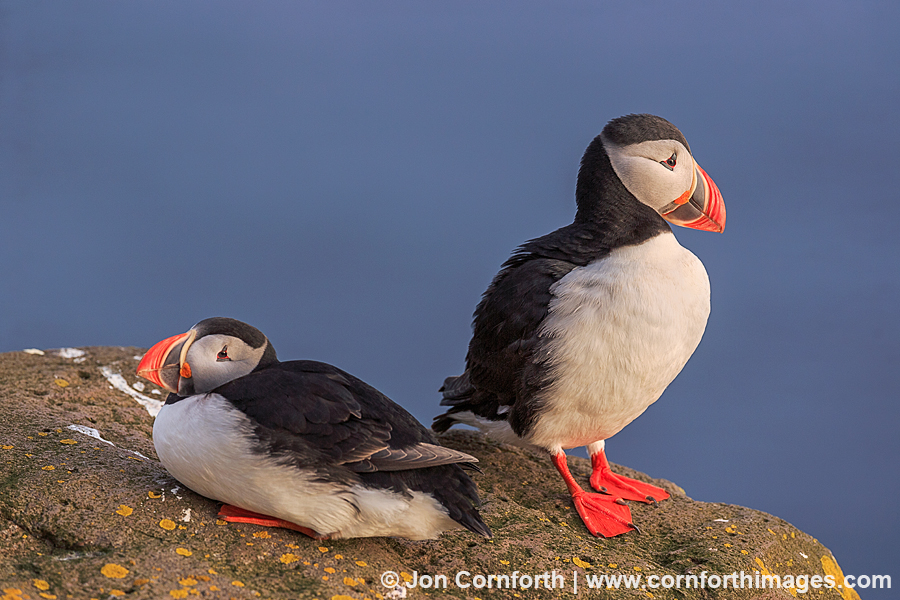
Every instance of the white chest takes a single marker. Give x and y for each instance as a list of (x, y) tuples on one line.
[(619, 331), (207, 445)]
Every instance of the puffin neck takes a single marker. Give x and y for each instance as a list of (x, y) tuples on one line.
[(269, 358), (607, 207)]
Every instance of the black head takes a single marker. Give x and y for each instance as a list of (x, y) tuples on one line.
[(634, 129), (250, 335)]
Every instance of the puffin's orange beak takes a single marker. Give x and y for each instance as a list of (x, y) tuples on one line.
[(701, 207), (164, 362)]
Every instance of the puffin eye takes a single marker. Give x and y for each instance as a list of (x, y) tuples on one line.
[(222, 355), (670, 162)]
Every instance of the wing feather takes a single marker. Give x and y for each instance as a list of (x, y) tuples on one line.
[(308, 411)]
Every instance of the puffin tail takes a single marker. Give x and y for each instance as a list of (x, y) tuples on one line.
[(443, 422), (457, 389), (459, 495), (457, 392), (476, 525)]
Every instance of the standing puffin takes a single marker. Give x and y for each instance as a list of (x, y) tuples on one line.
[(582, 329), (300, 444)]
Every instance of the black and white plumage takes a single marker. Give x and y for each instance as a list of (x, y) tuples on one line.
[(582, 329), (300, 443)]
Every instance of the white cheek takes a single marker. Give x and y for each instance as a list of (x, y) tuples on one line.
[(223, 372), (648, 180), (209, 373), (651, 183)]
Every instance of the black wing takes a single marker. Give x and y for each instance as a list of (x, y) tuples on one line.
[(314, 411), (502, 368), (508, 319), (507, 325)]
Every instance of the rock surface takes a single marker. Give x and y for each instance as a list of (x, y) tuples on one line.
[(84, 517)]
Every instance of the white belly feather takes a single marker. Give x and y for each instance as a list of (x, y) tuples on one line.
[(207, 445), (619, 331)]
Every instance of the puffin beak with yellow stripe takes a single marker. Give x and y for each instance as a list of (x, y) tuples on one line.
[(703, 207), (165, 365)]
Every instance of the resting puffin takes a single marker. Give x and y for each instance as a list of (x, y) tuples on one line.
[(582, 329), (300, 444)]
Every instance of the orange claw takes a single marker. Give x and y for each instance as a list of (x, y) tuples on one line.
[(605, 481), (235, 514), (602, 515)]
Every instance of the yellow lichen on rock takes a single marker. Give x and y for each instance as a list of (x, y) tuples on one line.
[(579, 563), (830, 566), (114, 571), (765, 571)]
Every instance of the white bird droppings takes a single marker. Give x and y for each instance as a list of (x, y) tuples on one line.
[(138, 385), (70, 352), (118, 382), (89, 431)]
